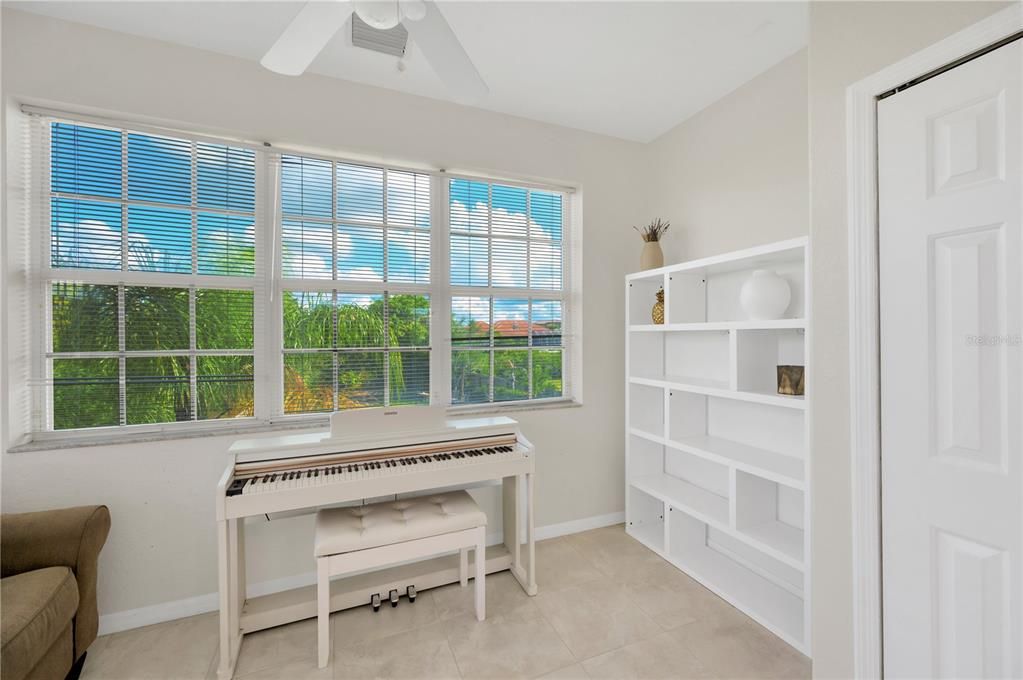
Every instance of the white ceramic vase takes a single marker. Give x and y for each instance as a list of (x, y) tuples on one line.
[(765, 295), (651, 256)]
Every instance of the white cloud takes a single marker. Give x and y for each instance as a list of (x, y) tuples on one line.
[(545, 253), (359, 300), (94, 244), (362, 274), (226, 234), (506, 309), (344, 245), (303, 264)]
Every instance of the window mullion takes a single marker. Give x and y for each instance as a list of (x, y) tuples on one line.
[(334, 226), (193, 361), (335, 356), (336, 267), (122, 362), (268, 355), (568, 286), (490, 237), (440, 298), (387, 349), (490, 282), (194, 211), (383, 229), (490, 387), (124, 199), (529, 344), (529, 246), (40, 189), (529, 303)]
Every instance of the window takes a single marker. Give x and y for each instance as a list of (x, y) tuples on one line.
[(187, 279), (506, 282), (150, 283), (355, 263)]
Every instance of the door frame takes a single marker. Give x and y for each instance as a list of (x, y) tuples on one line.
[(864, 321)]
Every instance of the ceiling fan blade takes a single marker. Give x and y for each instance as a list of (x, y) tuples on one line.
[(306, 36), (442, 49)]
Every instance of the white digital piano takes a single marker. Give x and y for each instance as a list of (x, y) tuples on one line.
[(367, 454)]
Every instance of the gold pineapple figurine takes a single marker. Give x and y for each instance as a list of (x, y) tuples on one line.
[(658, 311)]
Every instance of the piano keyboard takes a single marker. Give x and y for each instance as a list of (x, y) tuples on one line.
[(340, 472)]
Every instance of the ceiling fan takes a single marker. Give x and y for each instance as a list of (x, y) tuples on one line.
[(318, 21)]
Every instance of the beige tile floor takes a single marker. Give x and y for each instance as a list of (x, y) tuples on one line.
[(607, 608)]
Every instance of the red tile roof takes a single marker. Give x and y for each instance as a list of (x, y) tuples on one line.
[(513, 327)]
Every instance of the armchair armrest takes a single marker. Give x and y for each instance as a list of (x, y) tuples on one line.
[(69, 537)]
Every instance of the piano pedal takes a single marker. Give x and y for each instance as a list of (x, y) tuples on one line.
[(410, 592), (394, 598), (375, 601)]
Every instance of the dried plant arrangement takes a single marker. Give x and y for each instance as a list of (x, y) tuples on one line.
[(653, 232)]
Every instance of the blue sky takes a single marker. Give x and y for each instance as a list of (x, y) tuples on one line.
[(87, 233)]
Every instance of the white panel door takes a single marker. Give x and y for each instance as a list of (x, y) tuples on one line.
[(950, 196)]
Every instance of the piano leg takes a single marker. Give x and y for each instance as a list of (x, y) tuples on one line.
[(514, 513), (530, 539), (239, 571), (230, 566), (235, 564), (511, 513)]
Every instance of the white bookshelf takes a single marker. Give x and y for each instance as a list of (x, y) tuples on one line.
[(717, 463)]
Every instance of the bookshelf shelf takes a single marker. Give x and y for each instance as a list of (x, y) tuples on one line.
[(717, 462)]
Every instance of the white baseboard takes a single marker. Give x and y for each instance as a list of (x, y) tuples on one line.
[(578, 525), (157, 613), (200, 604)]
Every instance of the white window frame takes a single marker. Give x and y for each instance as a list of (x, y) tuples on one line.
[(43, 276), (268, 286), (561, 295), (342, 286), (439, 289)]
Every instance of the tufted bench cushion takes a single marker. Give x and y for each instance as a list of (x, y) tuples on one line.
[(342, 530)]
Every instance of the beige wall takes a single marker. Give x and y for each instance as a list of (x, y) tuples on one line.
[(733, 176), (161, 546), (736, 174), (848, 42)]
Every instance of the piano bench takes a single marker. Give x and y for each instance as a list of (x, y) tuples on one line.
[(384, 534)]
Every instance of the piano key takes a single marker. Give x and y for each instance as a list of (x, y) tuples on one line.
[(236, 487), (350, 472)]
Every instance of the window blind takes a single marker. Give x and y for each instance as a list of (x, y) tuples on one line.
[(506, 242), (155, 311), (149, 277), (358, 240), (345, 222)]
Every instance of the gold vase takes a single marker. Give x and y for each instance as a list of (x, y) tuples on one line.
[(657, 313)]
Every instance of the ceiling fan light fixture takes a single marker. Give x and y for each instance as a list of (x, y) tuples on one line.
[(413, 10), (383, 25), (380, 14)]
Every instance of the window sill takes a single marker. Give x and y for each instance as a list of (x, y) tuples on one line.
[(62, 441), (492, 409)]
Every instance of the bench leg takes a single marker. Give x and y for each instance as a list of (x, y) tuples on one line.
[(323, 609), (463, 567), (481, 574)]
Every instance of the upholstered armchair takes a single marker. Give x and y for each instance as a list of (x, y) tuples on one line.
[(48, 564)]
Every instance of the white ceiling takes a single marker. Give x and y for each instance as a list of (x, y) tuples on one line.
[(627, 69)]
